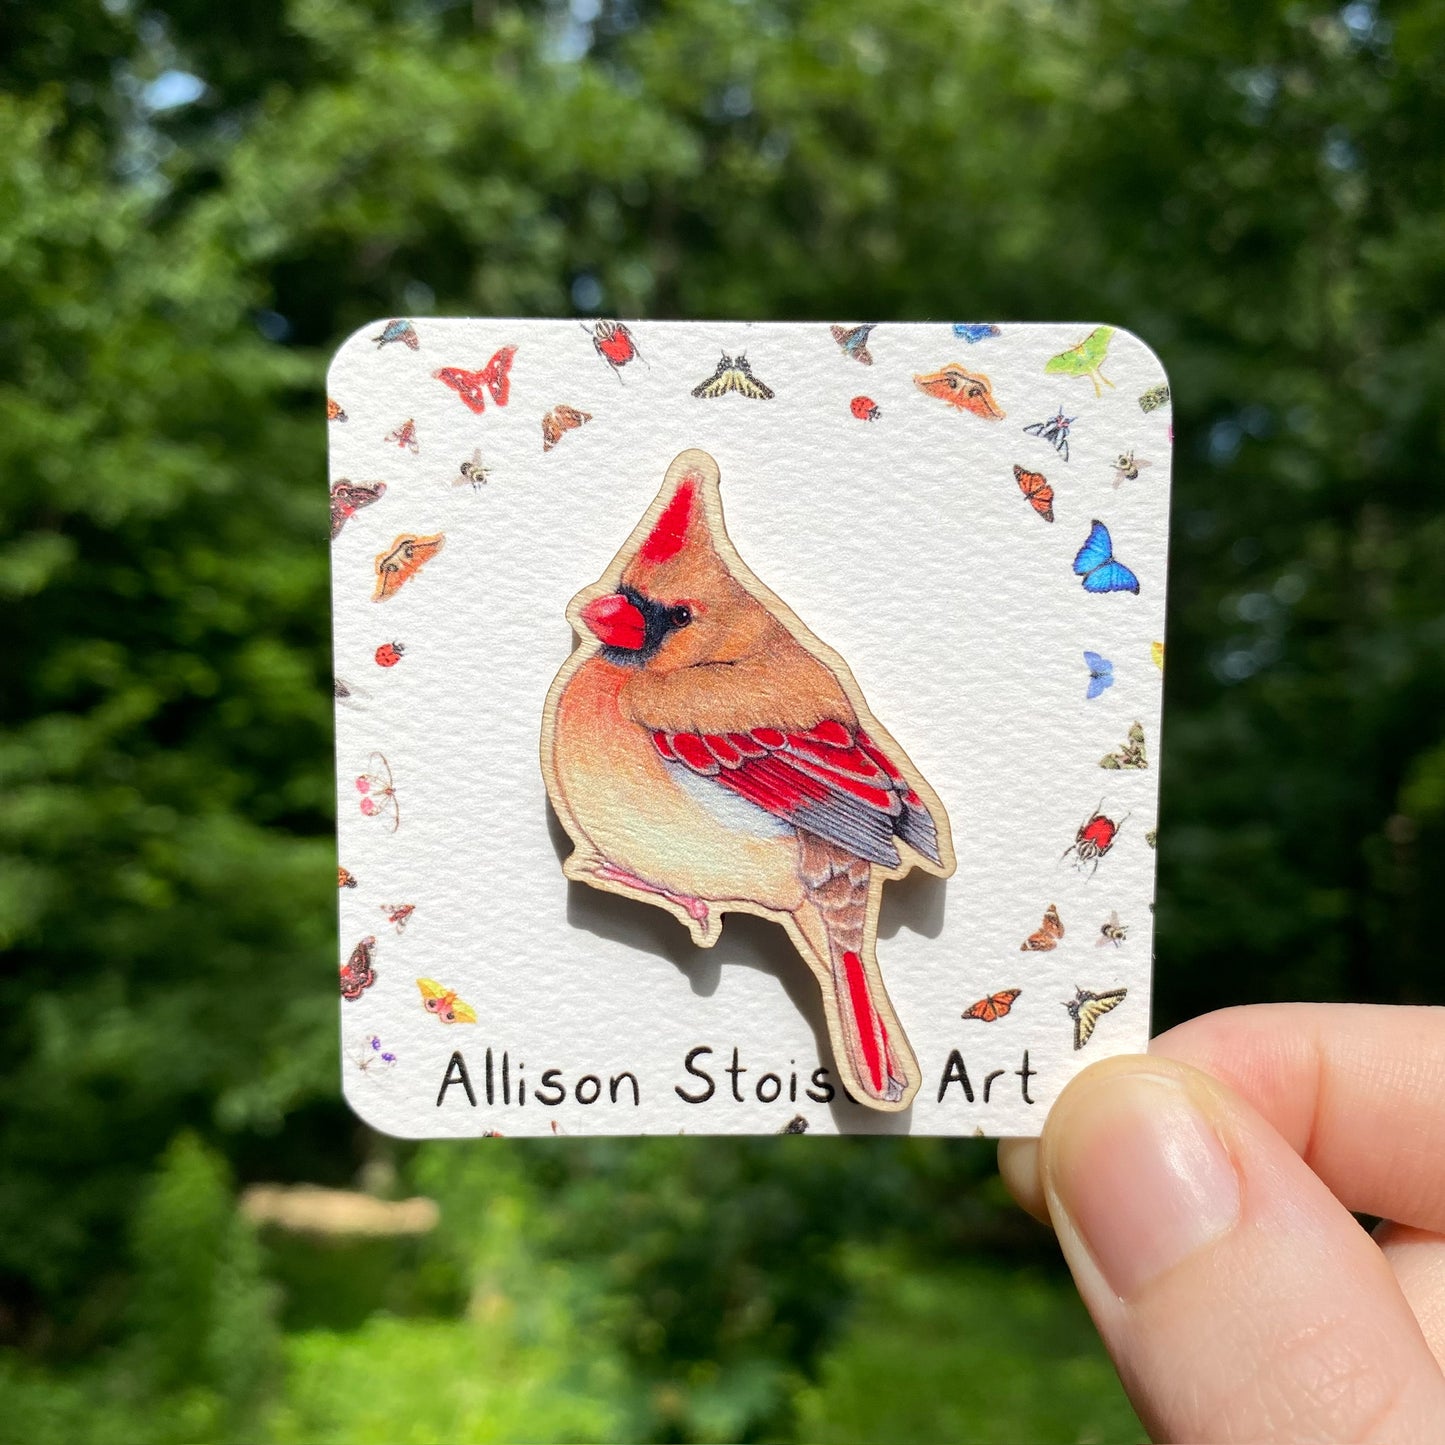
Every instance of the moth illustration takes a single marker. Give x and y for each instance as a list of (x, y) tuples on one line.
[(1085, 359), (967, 390), (344, 878), (558, 421), (1155, 397), (796, 1125), (1086, 1009), (994, 1007), (358, 973), (494, 380), (1047, 935), (372, 1058), (402, 561), (854, 341), (398, 914), (348, 498), (1055, 431), (1130, 754), (733, 374), (1156, 655), (1037, 492), (1098, 568), (444, 1003), (402, 331), (378, 792)]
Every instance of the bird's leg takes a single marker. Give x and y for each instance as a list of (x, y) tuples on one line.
[(696, 908)]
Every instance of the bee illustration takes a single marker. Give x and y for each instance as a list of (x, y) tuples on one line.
[(472, 473), (1127, 468), (1112, 931)]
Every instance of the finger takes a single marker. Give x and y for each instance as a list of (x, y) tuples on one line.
[(1239, 1300), (1358, 1090), (1418, 1260), (1018, 1167)]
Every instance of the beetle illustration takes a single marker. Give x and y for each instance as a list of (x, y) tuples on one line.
[(1095, 837)]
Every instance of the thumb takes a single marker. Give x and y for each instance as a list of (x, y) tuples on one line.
[(1239, 1299)]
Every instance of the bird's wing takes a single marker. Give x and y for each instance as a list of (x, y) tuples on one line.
[(830, 780)]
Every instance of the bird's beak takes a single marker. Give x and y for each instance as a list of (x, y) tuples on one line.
[(616, 622)]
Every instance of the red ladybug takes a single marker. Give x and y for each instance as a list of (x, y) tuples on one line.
[(865, 409), (614, 344), (1094, 838), (389, 654)]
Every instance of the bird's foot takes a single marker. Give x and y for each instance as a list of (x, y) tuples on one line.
[(696, 909)]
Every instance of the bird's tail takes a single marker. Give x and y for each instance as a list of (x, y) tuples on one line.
[(870, 1049)]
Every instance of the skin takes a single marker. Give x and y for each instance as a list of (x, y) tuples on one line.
[(1202, 1194)]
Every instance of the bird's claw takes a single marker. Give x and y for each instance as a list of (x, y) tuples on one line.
[(696, 909)]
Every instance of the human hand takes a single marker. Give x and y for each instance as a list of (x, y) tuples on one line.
[(1205, 1216)]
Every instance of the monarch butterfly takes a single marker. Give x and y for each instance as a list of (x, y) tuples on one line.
[(357, 973), (402, 331), (405, 436), (378, 791), (473, 386), (968, 391), (559, 420), (1130, 755), (854, 341), (1101, 674), (398, 914), (1048, 934), (1086, 1009), (733, 374), (402, 561), (334, 411), (348, 498), (1037, 492), (989, 1010), (444, 1003), (1097, 566), (1111, 930)]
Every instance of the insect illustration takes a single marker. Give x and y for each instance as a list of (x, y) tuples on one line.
[(1085, 359), (733, 374), (389, 654), (342, 691), (991, 1009), (1156, 655), (854, 341), (1130, 755), (1152, 837), (444, 1003), (1098, 567), (796, 1125), (344, 878), (1055, 431), (357, 973), (1112, 931), (405, 436), (1127, 468), (865, 408), (1101, 674), (402, 561), (371, 1058), (1155, 397), (473, 386), (974, 331), (967, 390), (1047, 935), (334, 411), (398, 914), (1037, 492), (1086, 1009), (402, 331), (613, 342), (1095, 837), (378, 791), (348, 498), (559, 420), (472, 473)]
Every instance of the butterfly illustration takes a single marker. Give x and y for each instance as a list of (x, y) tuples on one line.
[(378, 792), (1096, 564), (348, 498), (967, 390), (1156, 655), (1055, 431), (991, 1009), (344, 878), (1112, 931), (357, 973), (1048, 934), (471, 473), (402, 331), (1130, 755), (1127, 468), (1086, 1009), (1037, 491), (854, 341), (334, 411), (398, 914), (559, 420), (402, 561), (613, 342), (796, 1125), (1101, 674), (405, 436), (472, 386), (1085, 359), (1155, 397), (733, 374), (974, 331), (865, 408), (1095, 837), (444, 1003), (371, 1058)]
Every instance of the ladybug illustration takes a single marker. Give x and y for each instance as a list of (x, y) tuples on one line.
[(389, 654), (614, 344), (1094, 838), (865, 408)]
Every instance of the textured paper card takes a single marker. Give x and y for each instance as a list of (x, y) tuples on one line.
[(846, 606)]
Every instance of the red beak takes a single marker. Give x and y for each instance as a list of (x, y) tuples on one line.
[(616, 622)]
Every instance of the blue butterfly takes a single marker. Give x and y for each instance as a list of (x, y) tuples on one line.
[(971, 331), (1097, 566), (1101, 674)]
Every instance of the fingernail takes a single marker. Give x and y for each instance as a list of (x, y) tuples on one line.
[(1142, 1175)]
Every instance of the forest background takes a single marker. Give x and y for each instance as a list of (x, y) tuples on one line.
[(197, 203)]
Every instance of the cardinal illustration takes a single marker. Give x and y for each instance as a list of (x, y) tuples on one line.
[(707, 754)]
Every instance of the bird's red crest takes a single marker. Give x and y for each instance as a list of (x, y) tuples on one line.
[(666, 538)]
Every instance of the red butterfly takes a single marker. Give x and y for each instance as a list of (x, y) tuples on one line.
[(357, 973), (994, 1007), (472, 386), (1039, 493)]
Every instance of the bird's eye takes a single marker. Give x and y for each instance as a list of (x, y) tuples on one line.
[(680, 615)]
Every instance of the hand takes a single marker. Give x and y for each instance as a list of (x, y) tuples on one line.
[(1205, 1216)]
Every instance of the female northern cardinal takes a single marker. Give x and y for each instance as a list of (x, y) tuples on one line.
[(705, 751)]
